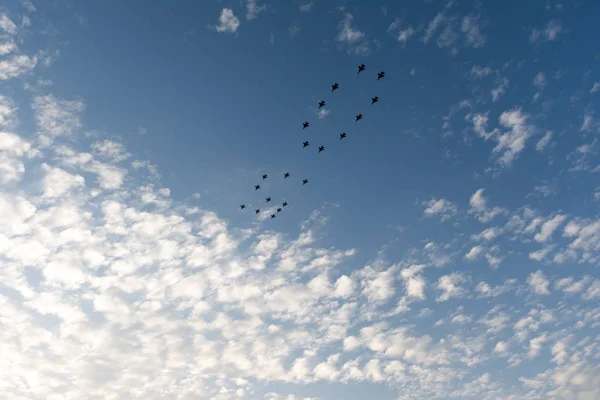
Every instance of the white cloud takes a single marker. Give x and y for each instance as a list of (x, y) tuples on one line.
[(595, 88), (550, 33), (8, 47), (228, 22), (478, 206), (401, 35), (7, 25), (486, 291), (16, 66), (433, 26), (512, 143), (540, 81), (352, 38), (253, 9), (499, 90), (474, 253), (58, 182), (535, 345), (501, 347), (306, 7), (480, 122), (449, 286), (322, 113), (540, 254), (481, 72), (538, 283), (414, 283), (472, 31), (56, 117), (593, 291), (544, 141), (344, 287), (548, 228), (439, 207)]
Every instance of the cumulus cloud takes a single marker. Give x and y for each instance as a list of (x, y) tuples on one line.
[(474, 253), (449, 287), (228, 22), (512, 142), (538, 283), (548, 228), (478, 207)]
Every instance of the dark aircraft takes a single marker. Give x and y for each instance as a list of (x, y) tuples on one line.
[(243, 206), (358, 117), (380, 75), (256, 211), (361, 68), (256, 187), (272, 216), (287, 174), (321, 104), (374, 99), (268, 199), (305, 125), (265, 177), (342, 135), (284, 203), (334, 86), (305, 144), (278, 210), (321, 148), (304, 181)]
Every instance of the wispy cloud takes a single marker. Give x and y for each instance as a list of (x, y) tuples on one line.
[(351, 37), (253, 9), (549, 33)]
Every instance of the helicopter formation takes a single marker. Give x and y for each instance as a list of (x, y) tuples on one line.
[(335, 86)]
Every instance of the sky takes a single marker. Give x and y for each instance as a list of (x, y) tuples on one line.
[(447, 248)]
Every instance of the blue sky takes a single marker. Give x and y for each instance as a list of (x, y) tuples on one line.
[(448, 248)]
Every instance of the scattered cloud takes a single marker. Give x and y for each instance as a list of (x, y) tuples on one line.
[(401, 35), (481, 72), (228, 22), (544, 141), (352, 38), (478, 206), (512, 142), (449, 286), (472, 31), (306, 7), (253, 9), (322, 113), (474, 253), (550, 33), (595, 88), (16, 66), (538, 283), (499, 90), (443, 208)]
